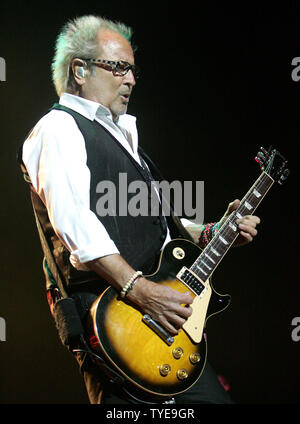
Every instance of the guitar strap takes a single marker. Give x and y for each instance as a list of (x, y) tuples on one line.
[(65, 313), (48, 253)]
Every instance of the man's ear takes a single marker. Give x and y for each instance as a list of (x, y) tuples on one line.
[(79, 71)]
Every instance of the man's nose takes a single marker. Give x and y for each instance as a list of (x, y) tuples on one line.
[(129, 78)]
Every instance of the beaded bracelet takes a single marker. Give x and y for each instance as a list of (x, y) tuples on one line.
[(215, 229), (128, 286), (208, 233)]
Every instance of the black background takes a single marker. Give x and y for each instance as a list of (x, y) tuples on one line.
[(216, 85)]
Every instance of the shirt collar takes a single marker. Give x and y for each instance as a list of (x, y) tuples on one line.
[(90, 109)]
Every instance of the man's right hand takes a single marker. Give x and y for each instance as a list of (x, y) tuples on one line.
[(165, 305), (162, 303)]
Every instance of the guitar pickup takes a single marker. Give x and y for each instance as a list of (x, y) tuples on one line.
[(189, 279), (158, 329)]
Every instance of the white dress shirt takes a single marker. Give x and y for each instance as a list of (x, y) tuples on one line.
[(56, 160)]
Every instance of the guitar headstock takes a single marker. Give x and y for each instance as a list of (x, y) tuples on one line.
[(273, 163)]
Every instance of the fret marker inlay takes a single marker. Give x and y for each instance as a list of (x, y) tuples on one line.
[(207, 266), (232, 226), (215, 252), (211, 259), (248, 206), (205, 273), (223, 240)]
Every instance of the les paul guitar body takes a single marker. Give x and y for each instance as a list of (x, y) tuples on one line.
[(141, 350), (144, 353)]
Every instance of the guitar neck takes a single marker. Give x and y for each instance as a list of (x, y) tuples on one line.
[(214, 252)]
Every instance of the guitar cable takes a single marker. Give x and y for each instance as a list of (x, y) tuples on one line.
[(115, 378), (113, 375)]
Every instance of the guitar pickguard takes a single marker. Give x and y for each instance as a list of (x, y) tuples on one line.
[(195, 323)]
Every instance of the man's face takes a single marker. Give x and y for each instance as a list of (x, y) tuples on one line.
[(102, 86)]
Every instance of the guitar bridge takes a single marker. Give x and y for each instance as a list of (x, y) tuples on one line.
[(158, 329)]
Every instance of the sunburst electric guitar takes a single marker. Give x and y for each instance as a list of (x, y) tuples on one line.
[(141, 350)]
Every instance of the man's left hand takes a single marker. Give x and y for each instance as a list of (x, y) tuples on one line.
[(247, 224)]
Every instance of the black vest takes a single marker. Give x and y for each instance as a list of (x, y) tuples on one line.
[(138, 238)]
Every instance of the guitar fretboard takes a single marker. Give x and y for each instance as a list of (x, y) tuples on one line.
[(212, 255)]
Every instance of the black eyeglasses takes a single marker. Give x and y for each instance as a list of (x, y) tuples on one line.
[(119, 68)]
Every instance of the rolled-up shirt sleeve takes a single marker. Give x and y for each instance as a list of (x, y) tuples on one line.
[(56, 161)]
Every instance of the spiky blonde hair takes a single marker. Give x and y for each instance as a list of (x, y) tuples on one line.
[(79, 38)]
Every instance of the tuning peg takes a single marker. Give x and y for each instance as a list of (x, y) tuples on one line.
[(284, 176), (264, 151), (259, 160), (261, 157)]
